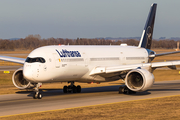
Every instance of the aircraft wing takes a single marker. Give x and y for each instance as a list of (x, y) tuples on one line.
[(13, 59), (114, 69), (162, 54)]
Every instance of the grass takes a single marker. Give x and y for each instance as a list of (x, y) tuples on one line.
[(166, 57), (156, 109), (16, 52), (5, 78), (166, 75), (5, 63)]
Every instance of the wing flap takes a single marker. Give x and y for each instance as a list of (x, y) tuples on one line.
[(124, 67), (13, 59), (114, 69), (165, 64)]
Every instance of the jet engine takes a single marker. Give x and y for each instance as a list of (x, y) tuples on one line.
[(19, 81), (139, 80)]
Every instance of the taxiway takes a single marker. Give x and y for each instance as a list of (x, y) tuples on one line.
[(22, 102)]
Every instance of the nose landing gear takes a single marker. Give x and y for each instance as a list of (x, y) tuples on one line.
[(37, 94), (72, 88)]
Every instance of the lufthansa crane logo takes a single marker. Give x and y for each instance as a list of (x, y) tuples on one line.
[(149, 33), (149, 37)]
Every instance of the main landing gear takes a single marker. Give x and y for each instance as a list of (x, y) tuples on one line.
[(72, 88), (125, 90), (37, 94)]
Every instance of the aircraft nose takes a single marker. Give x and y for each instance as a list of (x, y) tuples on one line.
[(27, 73)]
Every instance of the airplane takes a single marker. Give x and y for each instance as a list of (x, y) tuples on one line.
[(92, 63)]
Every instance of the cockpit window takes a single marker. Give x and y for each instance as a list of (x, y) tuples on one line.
[(37, 59)]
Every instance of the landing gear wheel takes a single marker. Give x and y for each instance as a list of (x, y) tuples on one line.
[(74, 89), (121, 90), (125, 90), (78, 89), (65, 89), (34, 95), (69, 89), (39, 96)]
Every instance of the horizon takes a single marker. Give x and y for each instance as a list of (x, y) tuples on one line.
[(107, 38)]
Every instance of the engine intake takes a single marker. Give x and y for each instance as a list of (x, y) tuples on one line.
[(19, 81), (139, 80)]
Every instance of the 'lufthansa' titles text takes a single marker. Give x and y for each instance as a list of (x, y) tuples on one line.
[(65, 53)]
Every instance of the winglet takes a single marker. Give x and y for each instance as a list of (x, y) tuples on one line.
[(146, 38)]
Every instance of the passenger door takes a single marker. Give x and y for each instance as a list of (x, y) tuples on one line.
[(57, 60)]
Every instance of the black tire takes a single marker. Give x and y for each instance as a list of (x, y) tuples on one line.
[(74, 89), (34, 95), (65, 89), (78, 89), (120, 90), (128, 91), (125, 90), (69, 89), (39, 96)]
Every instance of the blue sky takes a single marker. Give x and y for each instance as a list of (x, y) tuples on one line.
[(86, 18)]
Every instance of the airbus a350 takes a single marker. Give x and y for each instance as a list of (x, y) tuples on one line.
[(73, 63)]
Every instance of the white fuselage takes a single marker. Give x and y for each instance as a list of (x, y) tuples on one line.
[(74, 63)]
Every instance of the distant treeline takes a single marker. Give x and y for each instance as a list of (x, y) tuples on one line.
[(34, 41)]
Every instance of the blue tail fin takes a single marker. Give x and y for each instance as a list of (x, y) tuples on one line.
[(147, 34)]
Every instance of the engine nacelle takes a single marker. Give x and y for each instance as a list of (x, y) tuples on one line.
[(19, 81), (139, 80)]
